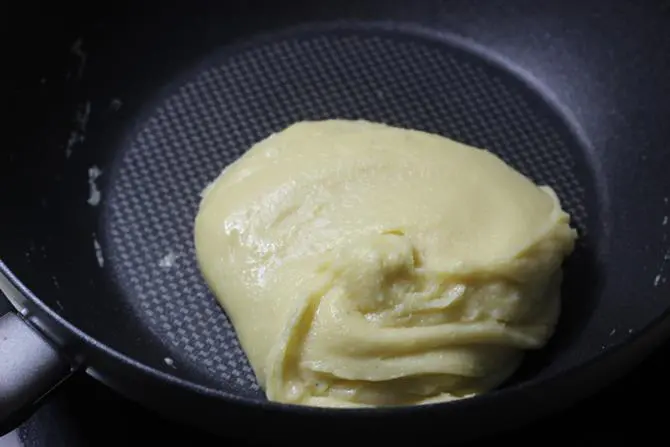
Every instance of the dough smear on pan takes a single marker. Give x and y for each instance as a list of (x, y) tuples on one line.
[(367, 265)]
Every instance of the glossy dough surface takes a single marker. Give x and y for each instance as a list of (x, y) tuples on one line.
[(365, 265)]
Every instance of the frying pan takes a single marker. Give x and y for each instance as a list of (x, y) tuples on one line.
[(117, 118)]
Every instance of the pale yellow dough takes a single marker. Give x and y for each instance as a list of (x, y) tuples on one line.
[(366, 265)]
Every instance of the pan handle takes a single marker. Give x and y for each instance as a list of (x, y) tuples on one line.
[(30, 367)]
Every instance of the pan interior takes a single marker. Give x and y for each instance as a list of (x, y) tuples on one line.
[(211, 114)]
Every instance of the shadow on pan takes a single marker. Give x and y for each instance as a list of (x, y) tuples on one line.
[(120, 121)]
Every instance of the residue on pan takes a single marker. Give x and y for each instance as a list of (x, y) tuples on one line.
[(168, 261), (98, 251), (660, 277), (657, 280), (115, 104), (77, 50), (169, 362), (94, 194), (78, 133)]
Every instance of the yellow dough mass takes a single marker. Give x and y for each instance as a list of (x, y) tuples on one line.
[(366, 265)]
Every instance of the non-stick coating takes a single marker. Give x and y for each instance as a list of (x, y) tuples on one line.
[(241, 95), (123, 270)]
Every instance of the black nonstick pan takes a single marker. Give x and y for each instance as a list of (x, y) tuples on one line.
[(116, 117)]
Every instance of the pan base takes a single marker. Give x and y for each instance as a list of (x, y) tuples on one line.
[(210, 115)]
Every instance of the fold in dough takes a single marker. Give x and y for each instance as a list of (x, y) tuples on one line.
[(365, 265)]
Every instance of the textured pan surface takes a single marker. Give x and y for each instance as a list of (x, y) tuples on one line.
[(213, 113)]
